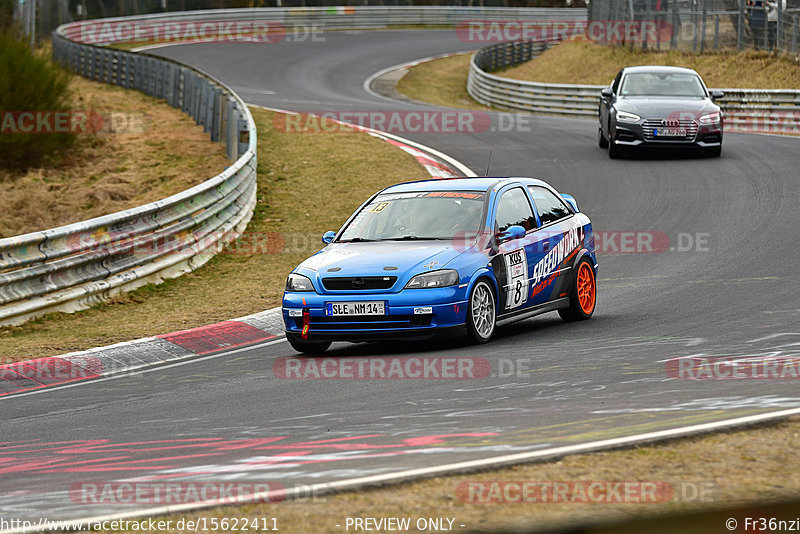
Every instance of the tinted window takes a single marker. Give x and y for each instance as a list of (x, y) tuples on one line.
[(615, 84), (548, 205), (514, 208), (662, 84)]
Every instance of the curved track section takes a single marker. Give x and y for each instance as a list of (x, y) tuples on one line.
[(230, 417)]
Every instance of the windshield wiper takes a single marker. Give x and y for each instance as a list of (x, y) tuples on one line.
[(412, 237), (356, 240)]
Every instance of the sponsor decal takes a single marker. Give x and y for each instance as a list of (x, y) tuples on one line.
[(572, 239), (517, 272)]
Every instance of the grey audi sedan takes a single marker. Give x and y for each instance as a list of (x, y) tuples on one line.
[(655, 106)]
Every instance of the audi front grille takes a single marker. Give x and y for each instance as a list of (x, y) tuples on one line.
[(673, 124)]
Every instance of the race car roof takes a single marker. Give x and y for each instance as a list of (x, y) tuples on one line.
[(458, 184)]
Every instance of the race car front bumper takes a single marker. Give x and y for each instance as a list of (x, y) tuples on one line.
[(412, 313)]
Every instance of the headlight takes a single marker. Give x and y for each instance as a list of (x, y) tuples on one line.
[(442, 278), (298, 282), (624, 116), (711, 118)]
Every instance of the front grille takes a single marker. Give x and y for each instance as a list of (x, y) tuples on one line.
[(356, 283), (683, 124), (360, 322), (364, 322)]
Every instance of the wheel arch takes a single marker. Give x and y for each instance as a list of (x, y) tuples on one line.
[(488, 275)]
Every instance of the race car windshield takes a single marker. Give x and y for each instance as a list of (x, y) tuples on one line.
[(418, 215), (662, 84)]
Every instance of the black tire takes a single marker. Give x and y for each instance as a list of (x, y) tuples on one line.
[(307, 347), (601, 139), (482, 295), (714, 151), (580, 310), (614, 152)]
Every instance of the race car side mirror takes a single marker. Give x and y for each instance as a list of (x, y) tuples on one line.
[(572, 202), (512, 232), (717, 94), (607, 92), (328, 236)]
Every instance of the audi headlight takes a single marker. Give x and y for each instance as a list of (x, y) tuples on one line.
[(624, 116), (298, 282), (441, 278), (711, 118)]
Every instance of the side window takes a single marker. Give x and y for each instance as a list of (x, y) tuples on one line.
[(615, 84), (549, 206), (514, 208)]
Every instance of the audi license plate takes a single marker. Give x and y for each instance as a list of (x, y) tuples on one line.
[(668, 132), (356, 308)]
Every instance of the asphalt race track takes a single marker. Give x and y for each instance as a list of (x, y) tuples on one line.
[(228, 417)]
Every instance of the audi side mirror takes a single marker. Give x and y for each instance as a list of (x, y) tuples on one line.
[(328, 236), (607, 92), (716, 94)]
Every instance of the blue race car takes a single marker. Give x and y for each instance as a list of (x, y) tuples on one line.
[(435, 256)]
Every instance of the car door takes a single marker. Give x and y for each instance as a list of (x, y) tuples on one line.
[(514, 259), (562, 238)]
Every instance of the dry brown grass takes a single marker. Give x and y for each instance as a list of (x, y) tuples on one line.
[(584, 62), (307, 183), (442, 82), (735, 468), (112, 170)]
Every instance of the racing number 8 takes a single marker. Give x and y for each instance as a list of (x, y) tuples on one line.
[(518, 293)]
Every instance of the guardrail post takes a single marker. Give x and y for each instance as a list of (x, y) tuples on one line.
[(159, 92), (216, 98), (196, 99), (208, 109), (186, 92), (230, 141), (223, 122), (243, 136), (794, 33), (97, 64)]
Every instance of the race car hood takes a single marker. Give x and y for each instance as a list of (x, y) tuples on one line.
[(385, 258), (664, 107)]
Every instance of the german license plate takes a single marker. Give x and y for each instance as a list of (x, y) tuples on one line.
[(356, 308), (668, 132)]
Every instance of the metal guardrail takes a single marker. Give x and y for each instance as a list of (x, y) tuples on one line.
[(746, 110), (353, 17), (81, 264)]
